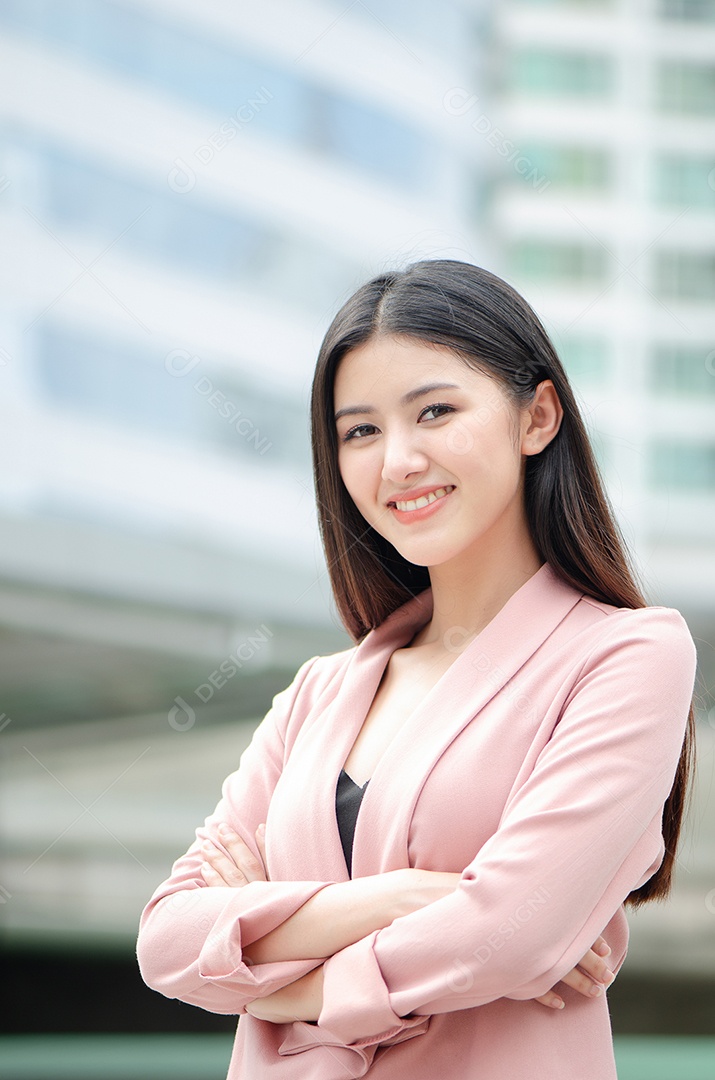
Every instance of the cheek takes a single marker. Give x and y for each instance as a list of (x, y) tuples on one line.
[(490, 467), (355, 477)]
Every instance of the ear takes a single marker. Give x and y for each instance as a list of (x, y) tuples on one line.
[(541, 419)]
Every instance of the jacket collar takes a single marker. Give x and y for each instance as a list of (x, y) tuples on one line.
[(478, 673), (490, 660)]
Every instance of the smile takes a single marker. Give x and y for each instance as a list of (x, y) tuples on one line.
[(424, 500)]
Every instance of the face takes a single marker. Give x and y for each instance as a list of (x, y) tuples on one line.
[(430, 450)]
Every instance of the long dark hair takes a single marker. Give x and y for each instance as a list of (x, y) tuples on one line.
[(490, 327)]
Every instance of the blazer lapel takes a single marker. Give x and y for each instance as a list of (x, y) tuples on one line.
[(302, 813), (479, 672), (303, 809)]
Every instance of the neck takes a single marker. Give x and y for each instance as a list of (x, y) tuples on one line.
[(468, 594)]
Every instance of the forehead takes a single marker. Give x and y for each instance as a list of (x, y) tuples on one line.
[(386, 363)]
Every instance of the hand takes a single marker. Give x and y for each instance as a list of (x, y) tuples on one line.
[(241, 867), (593, 964), (300, 1000)]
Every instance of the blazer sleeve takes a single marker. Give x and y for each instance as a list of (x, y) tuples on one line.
[(191, 936), (578, 835)]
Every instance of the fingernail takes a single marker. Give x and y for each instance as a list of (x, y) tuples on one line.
[(225, 830), (608, 978), (261, 828), (557, 1004), (596, 991), (603, 949)]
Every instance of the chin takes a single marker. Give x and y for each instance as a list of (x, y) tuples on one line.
[(428, 555)]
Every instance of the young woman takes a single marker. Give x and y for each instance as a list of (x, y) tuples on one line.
[(421, 865)]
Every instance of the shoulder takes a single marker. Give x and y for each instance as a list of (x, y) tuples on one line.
[(317, 674), (315, 683), (652, 637), (654, 621)]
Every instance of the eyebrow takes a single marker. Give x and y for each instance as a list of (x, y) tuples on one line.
[(406, 399)]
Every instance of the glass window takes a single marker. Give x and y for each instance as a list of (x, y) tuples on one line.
[(192, 236), (684, 275), (687, 370), (688, 10), (237, 88), (195, 237), (586, 359), (568, 166), (685, 87), (677, 465), (115, 383), (557, 73), (544, 259), (110, 381), (409, 21), (369, 138), (684, 181), (190, 66)]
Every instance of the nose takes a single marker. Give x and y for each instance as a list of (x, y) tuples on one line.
[(403, 456)]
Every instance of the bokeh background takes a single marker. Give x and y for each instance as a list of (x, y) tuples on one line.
[(188, 191)]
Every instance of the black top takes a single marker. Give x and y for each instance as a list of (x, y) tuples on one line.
[(348, 797)]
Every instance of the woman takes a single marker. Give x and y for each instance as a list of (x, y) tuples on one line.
[(426, 851)]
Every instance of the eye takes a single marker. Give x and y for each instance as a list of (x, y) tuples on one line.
[(435, 409), (360, 431)]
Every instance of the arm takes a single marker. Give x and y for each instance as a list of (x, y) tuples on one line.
[(347, 911), (580, 833), (222, 947), (338, 921), (303, 999), (192, 937)]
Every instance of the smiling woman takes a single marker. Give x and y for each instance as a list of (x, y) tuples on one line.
[(457, 461), (426, 852)]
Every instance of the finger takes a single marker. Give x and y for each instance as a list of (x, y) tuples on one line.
[(227, 870), (261, 842), (596, 967), (211, 876), (601, 947), (551, 999), (249, 864), (580, 982)]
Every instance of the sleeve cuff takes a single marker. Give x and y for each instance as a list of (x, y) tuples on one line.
[(242, 922), (356, 1002)]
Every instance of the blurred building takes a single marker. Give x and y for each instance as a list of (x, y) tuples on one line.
[(596, 123), (187, 193), (598, 131)]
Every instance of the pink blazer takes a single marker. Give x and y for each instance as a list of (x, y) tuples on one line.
[(537, 766)]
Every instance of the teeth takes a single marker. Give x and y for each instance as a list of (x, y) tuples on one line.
[(424, 500)]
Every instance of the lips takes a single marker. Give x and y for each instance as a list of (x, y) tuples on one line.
[(422, 499)]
